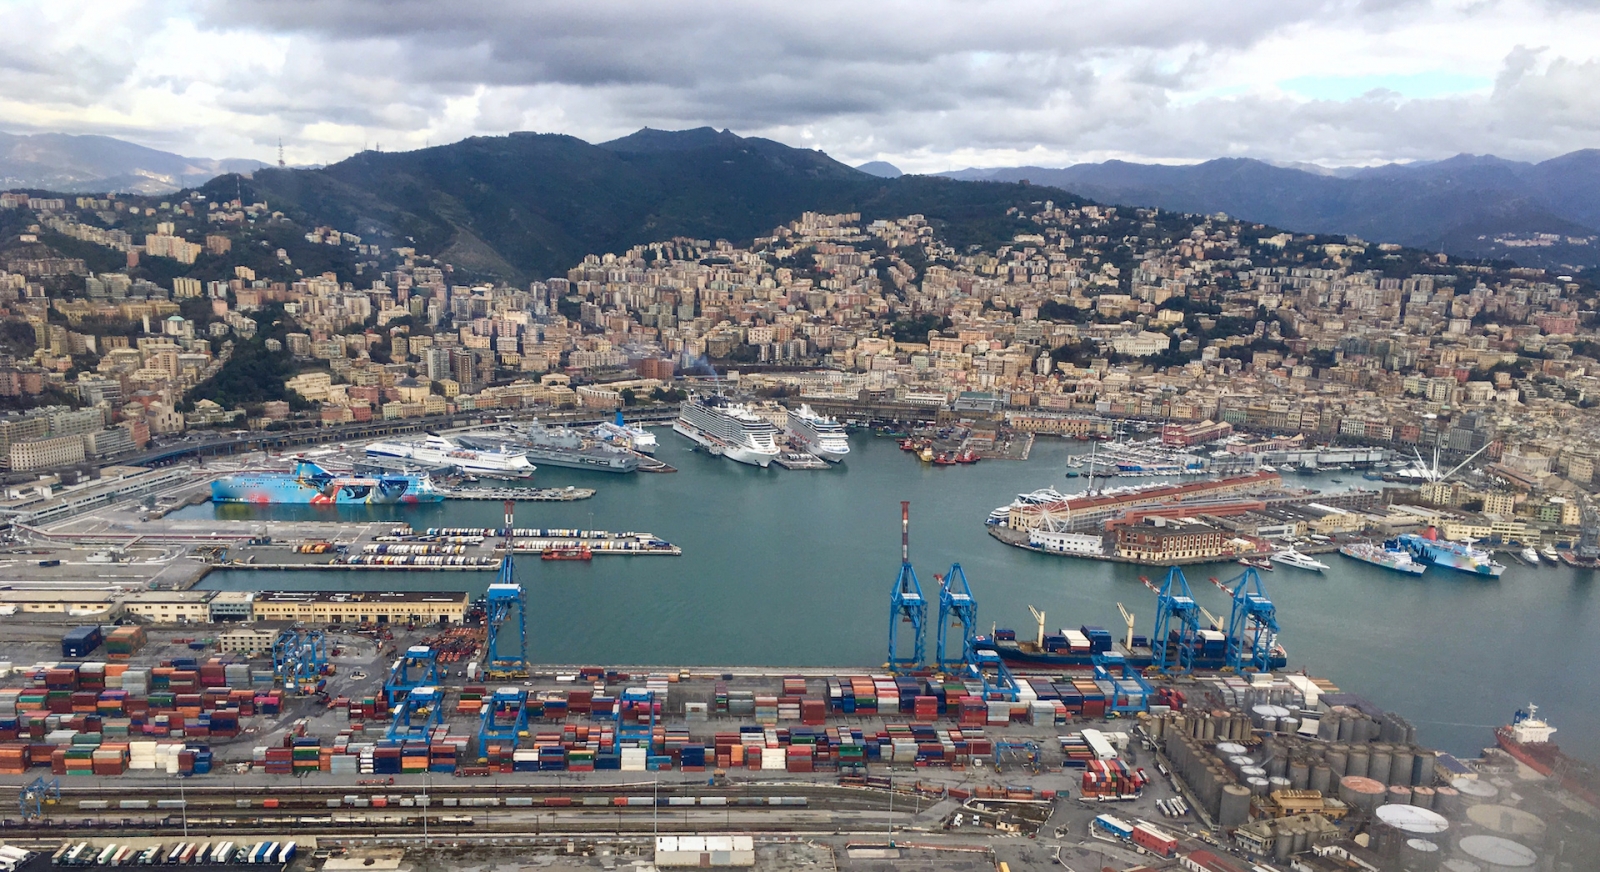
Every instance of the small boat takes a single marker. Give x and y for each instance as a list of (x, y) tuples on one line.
[(908, 445), (1548, 552), (1336, 480), (581, 553), (968, 456), (943, 459), (1530, 556), (1291, 557), (1257, 562), (1073, 473), (926, 454)]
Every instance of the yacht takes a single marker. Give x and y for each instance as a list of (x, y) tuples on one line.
[(1530, 556), (557, 446), (623, 435), (819, 434), (440, 451), (727, 428), (1291, 557)]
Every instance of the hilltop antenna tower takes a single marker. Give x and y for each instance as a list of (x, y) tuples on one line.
[(280, 152)]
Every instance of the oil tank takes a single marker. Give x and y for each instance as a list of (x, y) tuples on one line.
[(1497, 853), (1339, 760), (1422, 797), (1378, 762), (1258, 786), (1359, 761), (1514, 823), (1299, 774), (1359, 792), (1235, 807), (1447, 801), (1475, 791), (1392, 825), (1419, 855), (1230, 749), (1399, 794), (1400, 770), (1321, 778)]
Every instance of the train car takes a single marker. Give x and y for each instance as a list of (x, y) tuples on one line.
[(458, 820)]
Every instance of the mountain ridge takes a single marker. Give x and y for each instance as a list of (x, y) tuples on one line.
[(90, 163)]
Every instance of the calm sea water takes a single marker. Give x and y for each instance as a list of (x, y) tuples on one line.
[(795, 568)]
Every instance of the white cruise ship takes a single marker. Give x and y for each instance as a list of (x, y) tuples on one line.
[(728, 429), (819, 434), (439, 451), (620, 434)]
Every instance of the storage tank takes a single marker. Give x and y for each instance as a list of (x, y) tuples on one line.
[(1447, 801), (1504, 820), (1422, 797), (1299, 774), (1497, 853), (1258, 786), (1474, 791), (1411, 821), (1378, 761), (1231, 749), (1321, 778), (1359, 758), (1419, 855), (1235, 807), (1359, 792), (1423, 766), (1399, 794), (1400, 770), (1339, 760)]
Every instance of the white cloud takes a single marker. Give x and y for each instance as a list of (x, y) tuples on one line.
[(928, 85)]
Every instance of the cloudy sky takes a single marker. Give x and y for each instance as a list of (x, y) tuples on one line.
[(928, 85)]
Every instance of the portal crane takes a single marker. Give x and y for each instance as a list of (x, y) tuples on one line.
[(299, 659), (504, 719), (1038, 618), (1127, 618), (907, 605), (418, 667), (38, 793), (500, 659), (956, 606), (1177, 630), (1252, 624), (417, 715)]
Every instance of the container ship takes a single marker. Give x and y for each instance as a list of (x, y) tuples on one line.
[(818, 434), (623, 435), (728, 429), (1430, 549), (311, 485), (439, 451), (552, 446), (1527, 738), (1076, 649), (1389, 556)]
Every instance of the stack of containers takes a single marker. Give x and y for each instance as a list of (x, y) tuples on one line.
[(866, 696), (813, 712), (924, 709), (633, 759), (471, 700), (110, 759), (800, 758), (13, 758), (788, 708), (142, 755), (124, 642), (888, 694), (767, 709), (774, 758), (972, 711)]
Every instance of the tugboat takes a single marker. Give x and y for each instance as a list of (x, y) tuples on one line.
[(943, 459), (968, 456), (908, 444), (580, 553), (926, 454)]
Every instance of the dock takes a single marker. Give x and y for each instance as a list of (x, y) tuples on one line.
[(651, 464), (799, 460), (519, 494)]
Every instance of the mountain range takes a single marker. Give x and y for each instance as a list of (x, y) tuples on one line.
[(1468, 205), (95, 164)]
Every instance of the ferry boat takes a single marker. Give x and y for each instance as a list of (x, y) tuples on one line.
[(1527, 738), (1291, 557), (727, 428), (580, 553), (818, 434), (1460, 556), (625, 435), (438, 450), (556, 446), (1390, 556), (311, 485)]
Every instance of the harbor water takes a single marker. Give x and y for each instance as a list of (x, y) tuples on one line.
[(795, 568)]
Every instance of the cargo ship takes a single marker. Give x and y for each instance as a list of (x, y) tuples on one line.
[(311, 485), (1076, 649), (818, 434), (439, 451), (622, 435), (1527, 738), (1430, 549), (728, 429), (555, 446), (1389, 556)]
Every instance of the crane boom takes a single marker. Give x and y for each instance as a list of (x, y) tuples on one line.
[(1127, 616), (1038, 618)]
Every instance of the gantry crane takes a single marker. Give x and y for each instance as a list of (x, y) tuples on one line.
[(636, 720), (417, 715), (1252, 623), (417, 667), (1177, 630), (505, 718), (299, 659), (500, 659), (38, 793), (956, 607), (907, 605)]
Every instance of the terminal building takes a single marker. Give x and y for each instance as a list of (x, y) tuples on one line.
[(349, 607)]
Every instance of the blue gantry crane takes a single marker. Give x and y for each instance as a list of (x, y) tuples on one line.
[(299, 659), (957, 607), (1252, 623), (505, 718), (907, 606), (1177, 631), (417, 667), (634, 731), (505, 657), (417, 715), (31, 799), (1131, 691), (985, 666)]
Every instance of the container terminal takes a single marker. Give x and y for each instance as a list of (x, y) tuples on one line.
[(415, 724)]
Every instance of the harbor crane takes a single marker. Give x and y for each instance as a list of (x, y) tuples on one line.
[(956, 606), (418, 667), (38, 793), (1038, 619), (907, 605), (1252, 623), (299, 659), (1127, 618), (503, 657), (635, 712), (1177, 630), (504, 718), (1130, 692), (420, 711)]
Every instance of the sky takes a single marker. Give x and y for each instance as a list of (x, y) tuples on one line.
[(928, 85)]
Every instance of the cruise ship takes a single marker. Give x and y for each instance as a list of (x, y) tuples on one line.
[(819, 434), (436, 449), (555, 446), (622, 435), (1429, 548), (727, 428), (1389, 556), (311, 485)]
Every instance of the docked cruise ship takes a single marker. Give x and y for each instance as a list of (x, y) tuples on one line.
[(621, 434), (819, 434), (555, 446), (727, 428), (439, 451)]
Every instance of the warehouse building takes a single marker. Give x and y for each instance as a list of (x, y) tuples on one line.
[(345, 607)]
